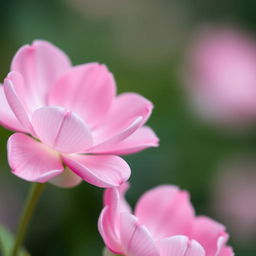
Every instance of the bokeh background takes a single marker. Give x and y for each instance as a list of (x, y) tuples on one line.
[(144, 43)]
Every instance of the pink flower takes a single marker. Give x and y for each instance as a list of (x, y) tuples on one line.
[(163, 224), (221, 76), (70, 123)]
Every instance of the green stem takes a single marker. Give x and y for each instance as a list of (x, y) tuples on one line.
[(32, 199)]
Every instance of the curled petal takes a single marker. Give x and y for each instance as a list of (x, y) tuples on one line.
[(116, 196), (135, 238), (142, 138), (107, 146), (16, 104), (102, 171), (108, 228), (108, 224), (64, 131), (32, 160), (7, 118), (125, 110)]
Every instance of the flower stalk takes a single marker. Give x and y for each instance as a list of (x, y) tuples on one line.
[(31, 202)]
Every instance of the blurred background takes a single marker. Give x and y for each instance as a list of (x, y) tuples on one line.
[(196, 61)]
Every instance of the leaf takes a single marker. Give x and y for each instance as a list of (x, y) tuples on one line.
[(6, 243), (106, 252)]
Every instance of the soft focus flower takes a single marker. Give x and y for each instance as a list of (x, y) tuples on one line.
[(70, 123), (234, 193), (163, 224), (221, 77)]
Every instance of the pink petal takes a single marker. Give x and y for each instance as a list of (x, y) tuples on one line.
[(32, 160), (109, 230), (7, 118), (175, 245), (142, 138), (179, 246), (226, 251), (109, 219), (135, 238), (116, 196), (101, 171), (40, 64), (64, 131), (107, 146), (210, 234), (16, 105), (195, 249), (125, 110), (19, 86), (221, 242), (166, 211), (66, 179), (87, 90)]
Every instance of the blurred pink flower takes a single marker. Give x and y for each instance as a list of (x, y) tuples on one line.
[(70, 123), (164, 224), (221, 76), (234, 193)]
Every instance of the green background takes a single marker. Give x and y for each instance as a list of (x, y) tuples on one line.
[(144, 44)]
